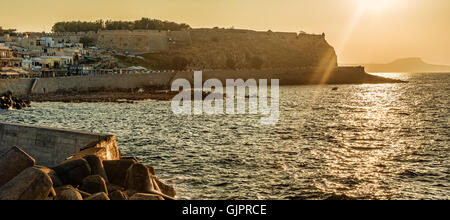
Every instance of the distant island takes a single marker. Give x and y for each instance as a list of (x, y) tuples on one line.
[(409, 65)]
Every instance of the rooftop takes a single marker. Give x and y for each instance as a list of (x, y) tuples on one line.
[(4, 48)]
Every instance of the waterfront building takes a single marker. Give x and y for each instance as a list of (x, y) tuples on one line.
[(7, 58)]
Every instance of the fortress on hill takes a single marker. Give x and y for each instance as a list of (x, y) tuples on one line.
[(155, 41), (212, 48)]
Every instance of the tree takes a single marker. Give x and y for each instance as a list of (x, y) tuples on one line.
[(87, 41), (144, 23), (11, 32), (78, 26)]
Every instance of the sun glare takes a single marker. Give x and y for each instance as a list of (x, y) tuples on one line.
[(375, 5)]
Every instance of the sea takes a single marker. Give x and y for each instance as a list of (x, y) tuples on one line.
[(368, 141)]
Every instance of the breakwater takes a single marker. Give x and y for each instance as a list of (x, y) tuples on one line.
[(56, 164), (291, 76)]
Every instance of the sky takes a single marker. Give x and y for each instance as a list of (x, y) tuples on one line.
[(362, 31)]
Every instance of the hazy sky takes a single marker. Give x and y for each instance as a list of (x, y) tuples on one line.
[(362, 31)]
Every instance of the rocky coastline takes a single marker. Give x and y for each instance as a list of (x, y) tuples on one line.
[(8, 101), (80, 177), (114, 96)]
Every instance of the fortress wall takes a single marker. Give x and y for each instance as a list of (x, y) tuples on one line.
[(310, 39), (200, 35), (287, 35), (157, 42), (229, 34), (73, 37), (139, 41), (180, 37), (154, 41), (51, 146), (95, 82)]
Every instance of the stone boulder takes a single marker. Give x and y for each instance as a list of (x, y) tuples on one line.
[(68, 193), (84, 194), (96, 166), (155, 184), (146, 196), (98, 196), (164, 188), (30, 184), (129, 158), (94, 184), (13, 162), (72, 172), (55, 179), (116, 170), (130, 192), (118, 195), (151, 170), (166, 197), (138, 178), (113, 187), (8, 101)]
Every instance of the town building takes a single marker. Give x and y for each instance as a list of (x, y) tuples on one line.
[(47, 42), (7, 58)]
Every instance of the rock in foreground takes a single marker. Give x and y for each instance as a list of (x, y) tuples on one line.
[(75, 179), (13, 162), (31, 184)]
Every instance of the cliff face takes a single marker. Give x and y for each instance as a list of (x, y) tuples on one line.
[(222, 48), (242, 49)]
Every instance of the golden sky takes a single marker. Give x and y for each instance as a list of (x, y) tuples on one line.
[(362, 31)]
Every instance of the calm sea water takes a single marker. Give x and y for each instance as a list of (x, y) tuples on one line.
[(388, 141)]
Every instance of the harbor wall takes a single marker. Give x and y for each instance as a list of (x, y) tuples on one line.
[(16, 86), (287, 76), (84, 83), (291, 76), (50, 146)]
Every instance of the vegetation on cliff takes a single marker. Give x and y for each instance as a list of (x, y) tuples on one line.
[(142, 24), (87, 41), (7, 31)]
